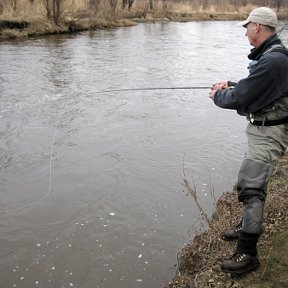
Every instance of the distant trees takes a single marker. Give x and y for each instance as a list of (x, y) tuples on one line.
[(271, 3), (127, 2), (94, 4), (238, 3), (13, 4), (1, 7), (113, 4), (279, 3), (53, 9)]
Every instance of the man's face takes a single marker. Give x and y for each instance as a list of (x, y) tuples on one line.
[(251, 33)]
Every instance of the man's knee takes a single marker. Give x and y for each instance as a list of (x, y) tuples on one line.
[(252, 179)]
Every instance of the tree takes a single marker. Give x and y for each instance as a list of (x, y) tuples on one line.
[(1, 7), (279, 4), (48, 8), (56, 10), (125, 2), (113, 4), (53, 9), (13, 5), (205, 4), (94, 5)]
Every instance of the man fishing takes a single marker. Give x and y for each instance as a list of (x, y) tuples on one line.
[(263, 98)]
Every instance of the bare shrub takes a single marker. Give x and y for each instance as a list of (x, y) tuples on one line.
[(57, 10), (54, 9), (1, 7), (128, 3), (94, 5)]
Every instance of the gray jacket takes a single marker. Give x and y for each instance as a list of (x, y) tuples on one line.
[(265, 90)]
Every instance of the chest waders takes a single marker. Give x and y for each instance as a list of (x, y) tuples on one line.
[(266, 144)]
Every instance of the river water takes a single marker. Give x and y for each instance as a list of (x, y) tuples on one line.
[(91, 183)]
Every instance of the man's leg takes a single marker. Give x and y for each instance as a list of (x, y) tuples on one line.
[(266, 145), (251, 189)]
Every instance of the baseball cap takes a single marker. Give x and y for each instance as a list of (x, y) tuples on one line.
[(261, 15)]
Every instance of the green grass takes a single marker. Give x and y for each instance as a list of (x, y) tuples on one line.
[(274, 269)]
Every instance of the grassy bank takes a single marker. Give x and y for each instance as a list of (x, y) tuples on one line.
[(199, 261), (30, 18), (13, 27)]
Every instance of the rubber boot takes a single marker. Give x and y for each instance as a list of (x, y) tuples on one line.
[(245, 258)]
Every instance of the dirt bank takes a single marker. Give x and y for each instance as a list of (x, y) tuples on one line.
[(199, 261), (40, 25), (15, 28), (18, 27)]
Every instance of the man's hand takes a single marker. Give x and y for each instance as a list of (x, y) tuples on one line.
[(220, 85), (217, 86)]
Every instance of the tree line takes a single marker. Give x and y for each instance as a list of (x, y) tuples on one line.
[(54, 8)]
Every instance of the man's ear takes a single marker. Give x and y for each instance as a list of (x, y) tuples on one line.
[(257, 27)]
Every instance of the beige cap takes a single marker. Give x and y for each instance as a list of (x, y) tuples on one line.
[(261, 15)]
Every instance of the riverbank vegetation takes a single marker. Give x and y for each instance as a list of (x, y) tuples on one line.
[(35, 17), (198, 263)]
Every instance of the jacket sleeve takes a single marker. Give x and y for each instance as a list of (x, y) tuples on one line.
[(231, 83), (253, 93)]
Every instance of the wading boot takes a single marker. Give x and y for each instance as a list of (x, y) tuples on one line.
[(231, 234), (240, 263)]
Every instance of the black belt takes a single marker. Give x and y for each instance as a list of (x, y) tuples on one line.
[(270, 122)]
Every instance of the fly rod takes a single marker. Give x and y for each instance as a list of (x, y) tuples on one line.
[(156, 88)]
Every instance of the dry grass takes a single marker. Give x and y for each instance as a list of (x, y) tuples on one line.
[(28, 9), (199, 261), (77, 15)]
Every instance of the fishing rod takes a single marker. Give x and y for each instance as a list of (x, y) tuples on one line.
[(156, 88), (284, 27)]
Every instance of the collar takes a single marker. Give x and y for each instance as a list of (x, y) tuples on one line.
[(256, 53)]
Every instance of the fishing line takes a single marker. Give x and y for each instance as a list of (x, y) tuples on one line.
[(51, 153), (155, 88), (50, 161), (280, 31)]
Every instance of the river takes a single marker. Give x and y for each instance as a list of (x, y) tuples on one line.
[(91, 183)]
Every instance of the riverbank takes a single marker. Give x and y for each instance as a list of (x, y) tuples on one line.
[(15, 27), (199, 261), (18, 27)]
